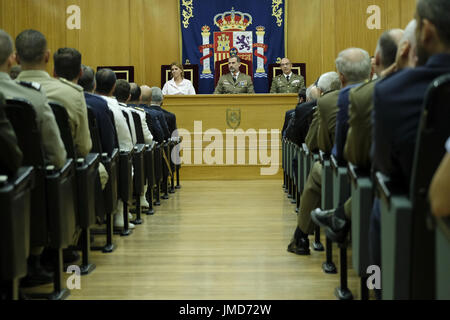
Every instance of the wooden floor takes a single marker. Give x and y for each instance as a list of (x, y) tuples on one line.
[(214, 240)]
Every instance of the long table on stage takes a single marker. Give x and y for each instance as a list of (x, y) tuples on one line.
[(246, 123)]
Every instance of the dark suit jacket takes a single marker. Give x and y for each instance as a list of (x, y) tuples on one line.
[(301, 123), (10, 155), (398, 103), (106, 127), (162, 119), (342, 125), (170, 117), (287, 117), (153, 122)]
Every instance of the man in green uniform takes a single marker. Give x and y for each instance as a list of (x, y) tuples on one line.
[(33, 55), (53, 147), (234, 82), (288, 82)]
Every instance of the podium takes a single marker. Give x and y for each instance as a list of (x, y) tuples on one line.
[(247, 116)]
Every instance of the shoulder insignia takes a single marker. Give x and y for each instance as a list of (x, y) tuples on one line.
[(71, 84), (31, 84), (140, 109)]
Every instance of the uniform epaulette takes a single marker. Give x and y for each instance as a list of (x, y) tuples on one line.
[(69, 83), (31, 84), (140, 109)]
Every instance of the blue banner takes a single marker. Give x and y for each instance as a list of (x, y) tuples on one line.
[(252, 29)]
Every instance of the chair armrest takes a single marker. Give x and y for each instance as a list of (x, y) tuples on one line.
[(382, 187), (323, 157), (334, 163)]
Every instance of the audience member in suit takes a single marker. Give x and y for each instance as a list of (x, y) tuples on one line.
[(100, 109), (63, 89), (170, 117), (287, 82), (155, 106), (336, 221), (11, 156), (398, 102), (234, 81), (53, 146), (153, 119), (438, 193), (106, 83), (135, 100), (353, 66)]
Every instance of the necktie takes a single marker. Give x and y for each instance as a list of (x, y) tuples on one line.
[(287, 78), (234, 79)]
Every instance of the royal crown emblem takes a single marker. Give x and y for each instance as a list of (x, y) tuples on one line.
[(233, 20)]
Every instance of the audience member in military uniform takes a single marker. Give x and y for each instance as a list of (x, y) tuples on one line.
[(153, 116), (54, 150), (106, 83), (353, 66), (122, 95), (99, 106), (53, 146), (11, 155), (234, 81), (438, 193), (288, 82), (135, 95), (398, 104), (134, 103), (357, 144), (327, 84), (30, 45), (15, 71)]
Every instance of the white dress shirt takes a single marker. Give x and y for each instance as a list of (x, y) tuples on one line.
[(185, 88), (123, 133)]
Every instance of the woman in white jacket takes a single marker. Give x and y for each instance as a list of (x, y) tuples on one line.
[(178, 85)]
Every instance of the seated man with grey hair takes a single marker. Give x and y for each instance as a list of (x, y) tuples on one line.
[(155, 105), (354, 67)]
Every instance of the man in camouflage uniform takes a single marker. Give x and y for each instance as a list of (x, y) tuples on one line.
[(288, 82), (234, 82)]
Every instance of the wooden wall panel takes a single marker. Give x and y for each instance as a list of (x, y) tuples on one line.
[(145, 33)]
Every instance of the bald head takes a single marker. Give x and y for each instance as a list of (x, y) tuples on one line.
[(387, 48), (146, 94), (353, 66), (406, 53)]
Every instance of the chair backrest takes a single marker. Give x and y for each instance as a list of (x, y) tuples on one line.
[(275, 70), (22, 116), (62, 119), (432, 134), (221, 68), (138, 127), (95, 135)]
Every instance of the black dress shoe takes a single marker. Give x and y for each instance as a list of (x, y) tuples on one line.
[(36, 274), (299, 246), (338, 230), (322, 218)]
